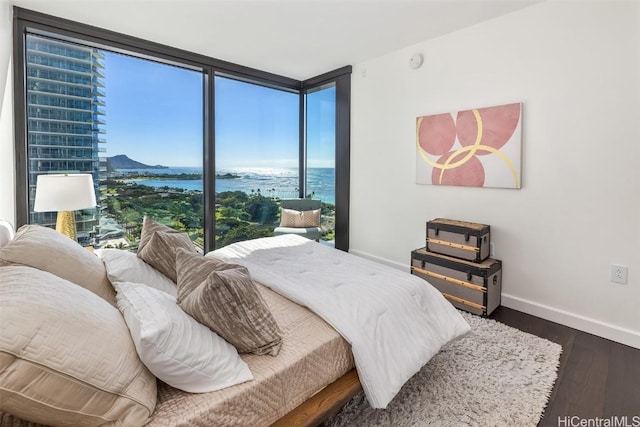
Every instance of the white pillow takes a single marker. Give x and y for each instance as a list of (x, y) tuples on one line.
[(175, 347), (124, 266), (6, 232)]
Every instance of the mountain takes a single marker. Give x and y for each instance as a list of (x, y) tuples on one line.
[(121, 161)]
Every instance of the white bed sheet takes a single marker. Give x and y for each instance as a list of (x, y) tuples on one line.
[(394, 321)]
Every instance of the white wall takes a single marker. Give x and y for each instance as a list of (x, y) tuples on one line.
[(575, 66), (7, 186)]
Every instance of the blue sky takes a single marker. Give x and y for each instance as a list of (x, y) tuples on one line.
[(154, 115)]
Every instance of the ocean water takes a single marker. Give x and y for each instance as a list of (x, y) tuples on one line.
[(270, 182)]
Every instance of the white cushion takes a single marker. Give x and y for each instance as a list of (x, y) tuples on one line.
[(6, 232), (66, 356), (124, 266), (175, 347)]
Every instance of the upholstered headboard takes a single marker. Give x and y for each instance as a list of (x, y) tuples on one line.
[(6, 232)]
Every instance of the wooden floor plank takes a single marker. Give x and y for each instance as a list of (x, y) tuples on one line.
[(516, 319), (623, 383), (564, 336), (597, 378), (582, 388)]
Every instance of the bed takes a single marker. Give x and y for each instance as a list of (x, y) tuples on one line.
[(313, 356), (348, 324)]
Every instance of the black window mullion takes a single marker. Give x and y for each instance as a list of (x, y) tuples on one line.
[(20, 123), (343, 160), (208, 164), (302, 157)]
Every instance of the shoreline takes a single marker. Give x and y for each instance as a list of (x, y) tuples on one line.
[(172, 183), (169, 188)]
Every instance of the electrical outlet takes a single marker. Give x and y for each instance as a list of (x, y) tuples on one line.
[(618, 273), (492, 250)]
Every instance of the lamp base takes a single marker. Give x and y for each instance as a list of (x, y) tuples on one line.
[(66, 224)]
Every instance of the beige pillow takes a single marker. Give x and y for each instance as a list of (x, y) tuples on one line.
[(223, 297), (46, 249), (299, 219), (158, 244), (66, 356)]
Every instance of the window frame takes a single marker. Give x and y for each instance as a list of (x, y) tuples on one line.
[(28, 21)]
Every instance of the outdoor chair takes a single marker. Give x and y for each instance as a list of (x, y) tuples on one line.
[(301, 217)]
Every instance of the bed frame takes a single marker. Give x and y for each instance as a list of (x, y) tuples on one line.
[(312, 412), (323, 404)]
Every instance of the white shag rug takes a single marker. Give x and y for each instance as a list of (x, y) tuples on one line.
[(496, 375)]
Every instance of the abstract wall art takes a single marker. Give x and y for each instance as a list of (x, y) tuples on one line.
[(474, 148)]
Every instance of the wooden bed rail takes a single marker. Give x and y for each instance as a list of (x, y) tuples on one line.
[(323, 404)]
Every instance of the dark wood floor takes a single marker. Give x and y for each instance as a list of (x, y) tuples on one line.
[(597, 378)]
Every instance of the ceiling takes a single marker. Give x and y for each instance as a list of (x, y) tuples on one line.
[(294, 38)]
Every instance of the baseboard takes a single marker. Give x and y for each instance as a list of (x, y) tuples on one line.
[(576, 321), (553, 314), (403, 267)]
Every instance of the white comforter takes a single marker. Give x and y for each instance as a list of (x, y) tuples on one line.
[(395, 322)]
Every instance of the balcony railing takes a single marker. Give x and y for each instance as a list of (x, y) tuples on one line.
[(97, 81), (97, 71)]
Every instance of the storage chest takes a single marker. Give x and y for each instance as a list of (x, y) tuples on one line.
[(469, 286), (460, 239)]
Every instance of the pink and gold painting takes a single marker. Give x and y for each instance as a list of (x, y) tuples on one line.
[(474, 148)]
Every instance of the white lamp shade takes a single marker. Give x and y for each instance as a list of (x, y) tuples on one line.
[(64, 192)]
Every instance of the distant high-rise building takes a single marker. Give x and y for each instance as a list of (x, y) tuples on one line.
[(65, 119)]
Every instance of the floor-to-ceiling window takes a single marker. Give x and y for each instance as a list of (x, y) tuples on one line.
[(134, 124), (197, 143), (256, 157), (65, 118), (321, 153), (154, 149)]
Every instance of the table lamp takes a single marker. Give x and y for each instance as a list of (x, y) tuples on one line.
[(64, 193)]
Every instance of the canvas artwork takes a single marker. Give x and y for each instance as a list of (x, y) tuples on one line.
[(475, 148)]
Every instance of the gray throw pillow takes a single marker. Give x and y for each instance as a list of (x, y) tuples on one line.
[(223, 297), (158, 245)]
